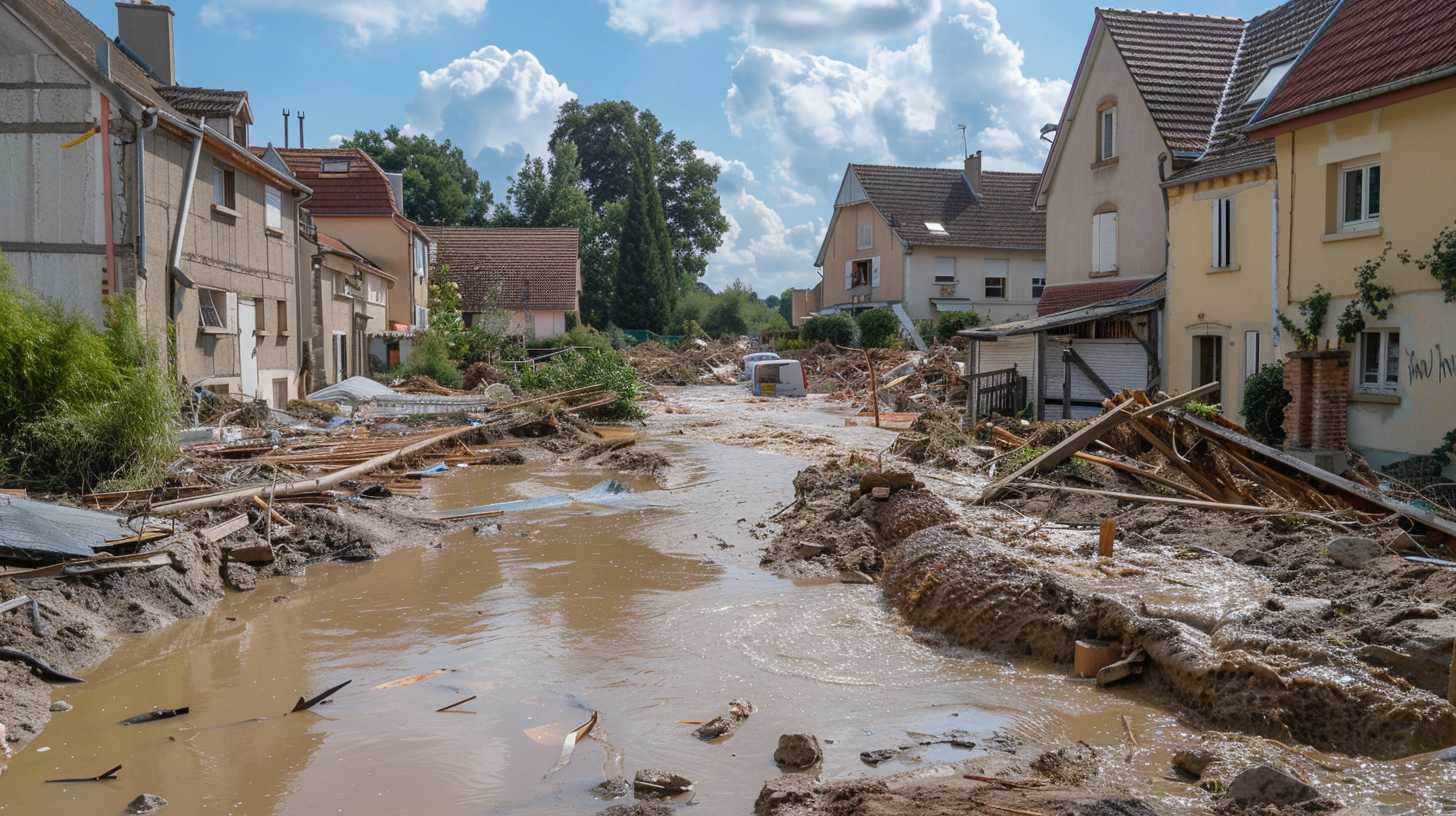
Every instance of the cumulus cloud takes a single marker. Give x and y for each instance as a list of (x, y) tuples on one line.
[(759, 248), (897, 105), (365, 20), (840, 22), (497, 105)]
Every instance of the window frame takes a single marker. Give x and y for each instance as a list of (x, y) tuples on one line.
[(224, 187), (1000, 282), (1387, 371), (330, 165), (1366, 220), (282, 317), (855, 281), (1221, 251), (1038, 285), (945, 280), (864, 235), (1107, 133), (1097, 243), (272, 208), (207, 301)]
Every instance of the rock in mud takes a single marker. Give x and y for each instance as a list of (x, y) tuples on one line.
[(639, 809), (61, 705), (1266, 785), (1193, 762), (652, 783), (875, 757), (798, 751), (1448, 755), (1073, 765), (358, 551), (146, 803), (724, 725), (240, 576), (785, 795), (614, 788), (1354, 552)]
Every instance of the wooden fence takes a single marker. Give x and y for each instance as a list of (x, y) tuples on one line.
[(998, 392)]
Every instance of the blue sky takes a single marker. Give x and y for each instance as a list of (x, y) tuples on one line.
[(781, 95)]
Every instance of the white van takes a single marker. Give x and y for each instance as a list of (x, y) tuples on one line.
[(750, 359), (779, 378)]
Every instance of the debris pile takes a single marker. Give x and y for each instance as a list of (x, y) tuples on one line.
[(693, 361)]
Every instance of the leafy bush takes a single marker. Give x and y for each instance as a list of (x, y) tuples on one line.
[(430, 356), (575, 369), (878, 328), (789, 344), (949, 323), (839, 329), (725, 318), (1313, 309), (1264, 401), (581, 337), (80, 409)]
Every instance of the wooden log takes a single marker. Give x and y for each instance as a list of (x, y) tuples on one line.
[(1061, 452), (1146, 475), (1106, 534), (222, 530)]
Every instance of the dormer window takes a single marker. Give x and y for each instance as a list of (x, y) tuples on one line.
[(240, 132), (1270, 81), (936, 228), (334, 164)]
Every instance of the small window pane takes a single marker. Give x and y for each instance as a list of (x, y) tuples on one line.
[(995, 287), (1392, 358), (1353, 193), (1038, 285), (1370, 358), (1373, 196)]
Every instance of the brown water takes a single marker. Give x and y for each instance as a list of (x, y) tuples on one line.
[(647, 615)]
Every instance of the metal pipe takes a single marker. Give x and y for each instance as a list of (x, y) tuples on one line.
[(107, 210), (1274, 265), (141, 171), (174, 261)]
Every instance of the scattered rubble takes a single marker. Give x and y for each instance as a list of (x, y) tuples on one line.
[(145, 803), (652, 783), (726, 723), (798, 752)]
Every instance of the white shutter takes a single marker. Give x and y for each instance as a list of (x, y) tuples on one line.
[(273, 202), (848, 275), (232, 313), (875, 272), (1107, 242), (1097, 243)]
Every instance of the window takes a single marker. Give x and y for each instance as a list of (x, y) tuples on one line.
[(224, 187), (260, 316), (211, 309), (334, 164), (1038, 285), (341, 356), (375, 287), (273, 204), (1269, 82), (1380, 360), (283, 317), (1107, 134), (240, 132), (945, 271), (421, 259), (422, 317), (936, 228), (1223, 233), (1251, 353), (995, 286), (864, 236), (1360, 197), (861, 273), (1104, 243)]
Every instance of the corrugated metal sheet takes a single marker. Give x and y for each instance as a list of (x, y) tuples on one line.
[(1120, 363)]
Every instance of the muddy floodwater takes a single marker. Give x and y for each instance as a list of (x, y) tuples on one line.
[(649, 613)]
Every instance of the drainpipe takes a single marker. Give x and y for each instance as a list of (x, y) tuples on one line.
[(111, 276), (174, 262), (1274, 264), (141, 170)]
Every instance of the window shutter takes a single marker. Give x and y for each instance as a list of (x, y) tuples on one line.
[(273, 201), (231, 318), (1107, 242), (1097, 243), (875, 272), (848, 275)]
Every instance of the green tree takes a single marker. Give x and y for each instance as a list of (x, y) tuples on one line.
[(878, 328), (440, 186), (644, 286), (786, 305)]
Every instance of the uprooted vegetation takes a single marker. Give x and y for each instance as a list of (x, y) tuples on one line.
[(576, 369), (80, 408)]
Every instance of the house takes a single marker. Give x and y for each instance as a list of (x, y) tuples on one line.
[(349, 302), (142, 189), (804, 303), (357, 202), (533, 275), (1143, 101), (932, 240), (1361, 124), (1223, 296)]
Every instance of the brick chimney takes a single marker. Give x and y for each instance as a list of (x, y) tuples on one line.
[(972, 173), (146, 28), (1316, 421)]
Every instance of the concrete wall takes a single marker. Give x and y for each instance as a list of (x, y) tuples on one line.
[(1230, 302), (971, 268), (1081, 186), (1411, 138)]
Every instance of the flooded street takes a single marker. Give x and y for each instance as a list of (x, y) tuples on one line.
[(649, 613)]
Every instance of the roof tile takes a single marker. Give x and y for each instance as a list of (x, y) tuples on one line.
[(363, 190), (1002, 218), (510, 266), (1063, 296), (203, 101)]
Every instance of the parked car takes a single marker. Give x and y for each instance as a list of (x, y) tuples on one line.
[(749, 360), (779, 378)]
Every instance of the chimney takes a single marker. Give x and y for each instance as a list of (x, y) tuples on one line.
[(396, 183), (146, 29), (972, 173)]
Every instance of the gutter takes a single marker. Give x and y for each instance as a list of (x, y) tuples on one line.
[(1355, 96)]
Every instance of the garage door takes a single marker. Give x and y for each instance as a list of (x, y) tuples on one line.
[(1120, 363)]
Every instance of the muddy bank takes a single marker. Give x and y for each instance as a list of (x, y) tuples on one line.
[(988, 594)]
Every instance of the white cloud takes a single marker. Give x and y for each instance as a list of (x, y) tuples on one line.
[(364, 19), (336, 139), (897, 105), (497, 105), (839, 22), (759, 248)]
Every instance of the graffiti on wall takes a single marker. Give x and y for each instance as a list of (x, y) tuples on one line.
[(1433, 365)]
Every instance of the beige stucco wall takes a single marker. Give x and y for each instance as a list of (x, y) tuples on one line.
[(387, 244), (1228, 302), (970, 270), (842, 248), (1130, 184), (1412, 139)]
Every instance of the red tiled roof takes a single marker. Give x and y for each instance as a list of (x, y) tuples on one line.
[(514, 267), (1368, 44), (1180, 63), (363, 190), (1063, 296), (1002, 218)]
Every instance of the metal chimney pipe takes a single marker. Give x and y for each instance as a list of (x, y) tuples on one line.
[(285, 128), (300, 129)]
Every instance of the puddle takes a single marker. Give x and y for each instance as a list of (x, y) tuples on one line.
[(649, 615)]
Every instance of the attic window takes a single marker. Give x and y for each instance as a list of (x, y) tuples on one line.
[(936, 228), (334, 165), (1271, 79)]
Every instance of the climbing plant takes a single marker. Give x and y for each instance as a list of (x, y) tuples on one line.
[(1313, 309), (1440, 261), (1371, 296), (1442, 453)]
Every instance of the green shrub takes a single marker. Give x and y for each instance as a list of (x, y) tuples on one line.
[(838, 329), (581, 337), (430, 357), (725, 318), (80, 408), (1264, 401), (949, 323), (878, 328), (789, 344), (575, 369)]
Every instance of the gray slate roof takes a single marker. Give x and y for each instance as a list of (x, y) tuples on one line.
[(1001, 218)]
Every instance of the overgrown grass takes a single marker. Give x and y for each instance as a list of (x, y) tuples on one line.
[(80, 408), (577, 369)]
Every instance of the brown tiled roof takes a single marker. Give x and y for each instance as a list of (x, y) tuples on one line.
[(515, 267), (1368, 44), (1002, 218), (203, 101), (364, 190), (1180, 63), (1274, 37), (1060, 297)]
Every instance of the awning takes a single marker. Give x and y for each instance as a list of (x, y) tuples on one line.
[(1096, 311), (951, 304)]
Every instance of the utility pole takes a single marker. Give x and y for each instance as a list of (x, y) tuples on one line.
[(285, 128), (300, 129)]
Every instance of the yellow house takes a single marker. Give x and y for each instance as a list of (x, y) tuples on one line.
[(1221, 318), (1362, 125)]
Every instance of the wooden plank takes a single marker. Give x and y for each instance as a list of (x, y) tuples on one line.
[(1063, 450), (14, 603), (1150, 499), (1087, 371), (222, 530), (1145, 475), (68, 567), (1151, 437), (252, 554), (17, 492)]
